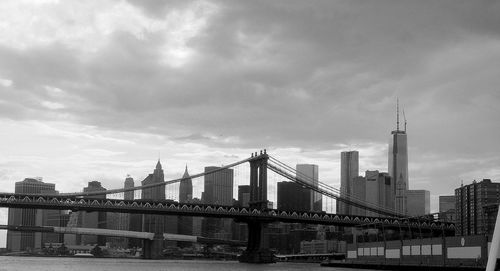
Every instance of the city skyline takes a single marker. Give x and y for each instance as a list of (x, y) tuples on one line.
[(95, 90)]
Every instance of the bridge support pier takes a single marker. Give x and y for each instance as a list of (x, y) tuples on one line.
[(258, 248), (153, 249)]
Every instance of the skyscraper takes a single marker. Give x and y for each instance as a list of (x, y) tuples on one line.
[(185, 223), (218, 190), (135, 220), (243, 195), (418, 202), (293, 197), (121, 221), (309, 173), (349, 169), (472, 202), (378, 190), (93, 219), (185, 188), (157, 223), (17, 241), (218, 187), (398, 164)]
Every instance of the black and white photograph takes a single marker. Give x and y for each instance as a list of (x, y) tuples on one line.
[(264, 135)]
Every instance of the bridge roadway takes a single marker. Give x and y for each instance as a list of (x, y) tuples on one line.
[(121, 233), (169, 207)]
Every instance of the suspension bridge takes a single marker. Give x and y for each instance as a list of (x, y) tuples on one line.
[(257, 215)]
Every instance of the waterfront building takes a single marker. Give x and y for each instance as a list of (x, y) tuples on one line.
[(309, 173), (418, 202), (349, 169), (447, 207), (398, 165), (19, 241), (472, 202)]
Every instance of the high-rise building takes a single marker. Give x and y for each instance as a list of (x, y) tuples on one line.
[(157, 223), (398, 165), (244, 195), (18, 241), (349, 169), (309, 173), (129, 183), (218, 190), (122, 221), (418, 202), (135, 220), (218, 187), (185, 188), (93, 219), (293, 197), (447, 208), (185, 223), (379, 192), (471, 202), (358, 193)]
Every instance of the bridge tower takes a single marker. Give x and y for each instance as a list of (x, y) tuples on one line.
[(258, 248)]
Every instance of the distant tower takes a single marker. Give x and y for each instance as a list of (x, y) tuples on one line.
[(309, 173), (398, 164), (349, 169), (129, 183), (185, 188), (185, 223)]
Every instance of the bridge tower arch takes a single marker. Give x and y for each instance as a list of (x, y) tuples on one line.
[(258, 248)]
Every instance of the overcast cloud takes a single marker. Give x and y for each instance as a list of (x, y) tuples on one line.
[(94, 90)]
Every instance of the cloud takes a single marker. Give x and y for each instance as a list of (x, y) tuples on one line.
[(112, 83)]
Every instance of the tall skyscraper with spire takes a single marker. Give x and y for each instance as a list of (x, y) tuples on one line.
[(398, 163)]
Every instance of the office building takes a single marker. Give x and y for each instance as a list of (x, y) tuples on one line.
[(349, 169), (218, 190), (418, 202), (243, 195), (398, 165), (19, 241), (309, 174), (185, 223), (293, 197), (218, 187), (157, 223), (472, 201), (447, 208), (134, 220), (185, 188), (122, 221), (378, 191), (358, 193), (95, 220)]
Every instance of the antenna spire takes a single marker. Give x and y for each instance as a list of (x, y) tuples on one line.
[(404, 117), (397, 114)]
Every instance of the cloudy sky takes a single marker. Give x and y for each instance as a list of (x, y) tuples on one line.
[(95, 90)]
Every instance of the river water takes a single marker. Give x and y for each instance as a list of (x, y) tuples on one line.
[(8, 263)]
